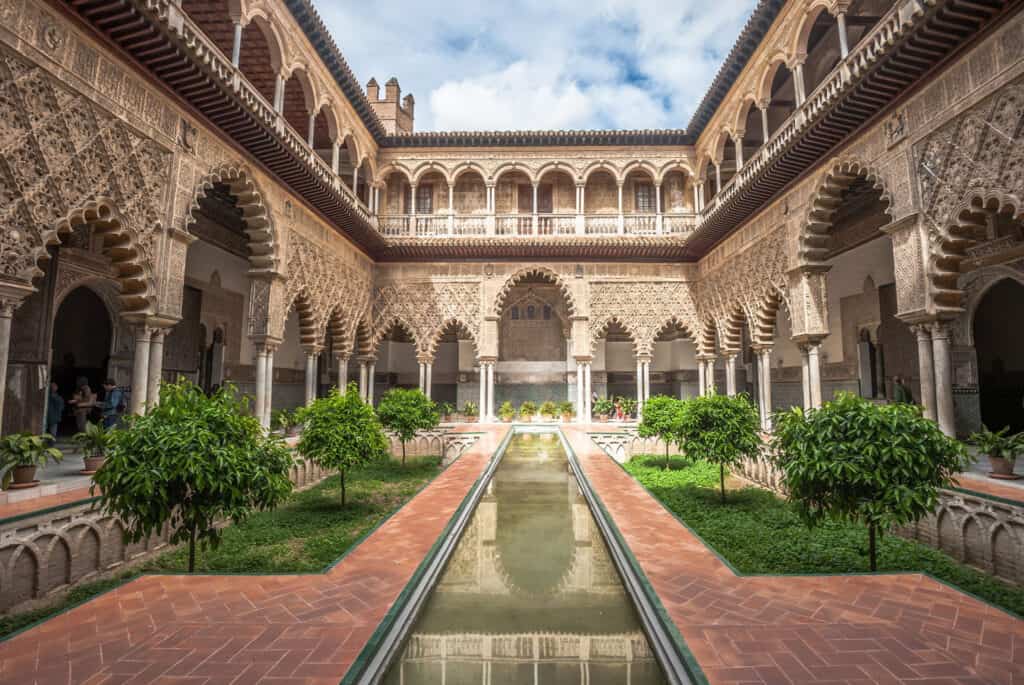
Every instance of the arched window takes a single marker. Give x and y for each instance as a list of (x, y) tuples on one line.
[(547, 312), (531, 312), (515, 313)]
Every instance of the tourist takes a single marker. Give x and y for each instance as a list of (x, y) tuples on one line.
[(900, 392), (54, 409), (113, 403), (83, 401), (618, 409)]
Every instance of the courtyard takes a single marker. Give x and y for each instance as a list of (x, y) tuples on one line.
[(675, 344)]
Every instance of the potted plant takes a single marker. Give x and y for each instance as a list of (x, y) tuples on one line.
[(603, 408), (470, 411), (1001, 450), (566, 409), (446, 409), (548, 410), (628, 407), (21, 454), (526, 411), (93, 442), (506, 412), (287, 422)]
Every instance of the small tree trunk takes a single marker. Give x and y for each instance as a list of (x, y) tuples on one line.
[(666, 457), (192, 549), (403, 453), (721, 479), (871, 547), (342, 487)]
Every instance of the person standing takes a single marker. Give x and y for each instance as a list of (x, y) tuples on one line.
[(83, 402), (113, 403), (900, 392), (54, 409)]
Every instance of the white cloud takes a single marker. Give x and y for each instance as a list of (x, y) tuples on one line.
[(542, 63)]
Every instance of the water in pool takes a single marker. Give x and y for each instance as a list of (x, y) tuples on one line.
[(530, 594)]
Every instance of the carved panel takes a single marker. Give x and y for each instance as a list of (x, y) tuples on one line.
[(643, 309)]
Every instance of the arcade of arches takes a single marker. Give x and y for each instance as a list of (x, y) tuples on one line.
[(135, 244)]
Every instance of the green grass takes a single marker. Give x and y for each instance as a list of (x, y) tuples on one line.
[(307, 534), (758, 532)]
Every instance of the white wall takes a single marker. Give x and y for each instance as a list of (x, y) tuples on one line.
[(202, 260), (846, 278)]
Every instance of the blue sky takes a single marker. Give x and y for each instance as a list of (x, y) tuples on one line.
[(541, 64)]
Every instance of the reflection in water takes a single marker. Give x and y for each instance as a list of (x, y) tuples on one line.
[(530, 594)]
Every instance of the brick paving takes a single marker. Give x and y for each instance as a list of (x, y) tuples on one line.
[(26, 506), (901, 628), (206, 630), (994, 487)]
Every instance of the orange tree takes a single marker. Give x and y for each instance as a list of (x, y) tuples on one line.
[(879, 465)]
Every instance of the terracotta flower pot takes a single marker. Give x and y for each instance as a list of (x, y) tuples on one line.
[(93, 464), (566, 418), (602, 418), (24, 476), (506, 419), (526, 419), (1002, 469)]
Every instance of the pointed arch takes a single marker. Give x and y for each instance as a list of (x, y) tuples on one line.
[(384, 327), (828, 198), (599, 329), (766, 314), (264, 250), (134, 269), (460, 326), (310, 332), (966, 227), (534, 271)]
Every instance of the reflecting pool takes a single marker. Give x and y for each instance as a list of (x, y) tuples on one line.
[(530, 594)]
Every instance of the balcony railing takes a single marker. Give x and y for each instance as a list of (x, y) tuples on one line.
[(601, 224), (526, 225)]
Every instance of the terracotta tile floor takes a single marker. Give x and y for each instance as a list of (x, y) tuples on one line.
[(902, 628), (244, 629), (992, 487), (8, 509)]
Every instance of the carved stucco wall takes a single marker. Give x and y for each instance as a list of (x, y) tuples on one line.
[(98, 142)]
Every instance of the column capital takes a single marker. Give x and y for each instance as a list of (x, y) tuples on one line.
[(366, 359), (644, 357), (425, 358), (312, 350), (941, 329), (705, 357), (583, 359)]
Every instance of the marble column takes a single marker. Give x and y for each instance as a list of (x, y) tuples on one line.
[(814, 373), (430, 374), (342, 372), (647, 379), (261, 382), (140, 369), (588, 391), (371, 370), (805, 376), (236, 44), (580, 400), (639, 385), (764, 365), (702, 382), (926, 369), (709, 377), (362, 380), (844, 46), (482, 408), (730, 375), (423, 378), (268, 388), (764, 123), (490, 391), (310, 377), (718, 178), (156, 367), (7, 308), (943, 378)]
